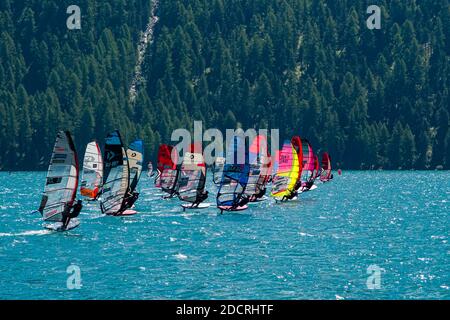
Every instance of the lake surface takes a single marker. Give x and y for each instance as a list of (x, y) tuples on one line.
[(317, 248)]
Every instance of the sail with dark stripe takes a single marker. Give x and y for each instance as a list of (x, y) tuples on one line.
[(235, 176), (135, 154), (62, 179), (116, 181), (192, 179)]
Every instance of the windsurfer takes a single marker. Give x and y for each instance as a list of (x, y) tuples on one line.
[(291, 196), (130, 200), (70, 213), (200, 198), (261, 193), (308, 185), (245, 199)]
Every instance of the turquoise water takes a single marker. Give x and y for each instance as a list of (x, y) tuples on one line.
[(318, 248)]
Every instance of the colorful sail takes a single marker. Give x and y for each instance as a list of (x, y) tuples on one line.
[(235, 176), (92, 176), (260, 168), (164, 161), (167, 165), (288, 171), (62, 179), (326, 167), (192, 179), (296, 142), (316, 167), (307, 176), (135, 154), (116, 175)]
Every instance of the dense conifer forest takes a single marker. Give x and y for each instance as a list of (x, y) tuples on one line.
[(372, 98)]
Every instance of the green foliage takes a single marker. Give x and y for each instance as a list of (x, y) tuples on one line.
[(372, 98)]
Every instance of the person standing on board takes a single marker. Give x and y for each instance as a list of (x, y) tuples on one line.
[(201, 196), (131, 199), (70, 213)]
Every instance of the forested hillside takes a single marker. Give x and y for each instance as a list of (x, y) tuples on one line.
[(372, 98), (54, 78)]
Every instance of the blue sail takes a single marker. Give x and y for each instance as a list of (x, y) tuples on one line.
[(235, 175)]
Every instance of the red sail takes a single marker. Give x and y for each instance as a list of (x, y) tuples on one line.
[(326, 167), (316, 167), (167, 168)]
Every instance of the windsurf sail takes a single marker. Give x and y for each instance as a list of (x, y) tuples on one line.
[(169, 171), (307, 176), (62, 179), (235, 176), (192, 179), (296, 142), (135, 154), (164, 160), (260, 168), (288, 171), (218, 165), (92, 176), (316, 167), (116, 180), (326, 167)]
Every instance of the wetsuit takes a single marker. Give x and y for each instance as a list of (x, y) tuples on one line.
[(261, 193), (243, 201), (131, 200), (201, 197), (70, 213), (308, 185)]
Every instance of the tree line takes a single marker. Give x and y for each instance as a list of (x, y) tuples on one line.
[(371, 98)]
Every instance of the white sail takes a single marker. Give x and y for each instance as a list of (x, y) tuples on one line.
[(62, 179), (253, 179), (92, 176), (135, 156), (116, 175), (192, 177), (169, 181), (219, 163)]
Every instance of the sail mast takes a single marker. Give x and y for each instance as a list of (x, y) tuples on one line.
[(62, 179)]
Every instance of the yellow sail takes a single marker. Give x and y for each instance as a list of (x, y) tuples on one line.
[(287, 173)]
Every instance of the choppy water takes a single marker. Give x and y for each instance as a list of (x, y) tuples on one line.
[(318, 248)]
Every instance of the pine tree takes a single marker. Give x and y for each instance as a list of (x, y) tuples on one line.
[(372, 98)]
